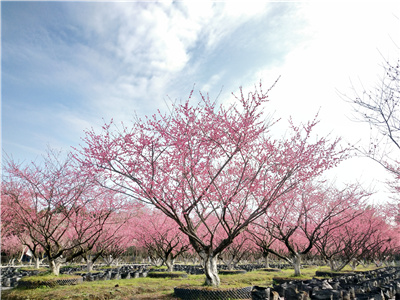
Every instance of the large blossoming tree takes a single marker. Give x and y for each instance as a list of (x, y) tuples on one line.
[(209, 167)]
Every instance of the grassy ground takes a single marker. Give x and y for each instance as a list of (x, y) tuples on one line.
[(33, 269), (148, 288)]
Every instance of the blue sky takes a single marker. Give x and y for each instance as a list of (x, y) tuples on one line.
[(67, 66)]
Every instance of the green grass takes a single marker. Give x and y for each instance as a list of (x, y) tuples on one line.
[(140, 288), (347, 269), (167, 274), (42, 269), (47, 276), (306, 273), (149, 288), (158, 268)]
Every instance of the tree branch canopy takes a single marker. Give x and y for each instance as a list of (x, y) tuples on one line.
[(213, 170)]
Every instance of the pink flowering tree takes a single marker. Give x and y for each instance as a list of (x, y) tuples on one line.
[(298, 219), (241, 248), (114, 240), (57, 206), (12, 247), (364, 237), (16, 239), (10, 243), (160, 236), (262, 240), (202, 163), (115, 246)]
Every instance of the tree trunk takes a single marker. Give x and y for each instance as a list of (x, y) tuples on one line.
[(365, 264), (37, 262), (378, 263), (89, 265), (55, 267), (211, 271), (353, 264), (337, 266), (389, 263), (332, 265), (11, 261), (266, 260), (22, 255), (228, 263), (170, 265), (296, 262), (108, 260)]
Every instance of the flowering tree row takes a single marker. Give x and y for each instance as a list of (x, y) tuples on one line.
[(218, 171), (206, 179), (332, 224), (213, 170), (56, 209), (350, 236), (337, 226)]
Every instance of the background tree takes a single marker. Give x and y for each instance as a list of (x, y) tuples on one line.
[(10, 243), (340, 245), (202, 163), (380, 108), (115, 249), (12, 247), (299, 218), (385, 215), (241, 248), (14, 236), (114, 240), (57, 206), (262, 239), (161, 237)]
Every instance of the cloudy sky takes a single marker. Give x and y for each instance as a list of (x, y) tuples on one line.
[(68, 66)]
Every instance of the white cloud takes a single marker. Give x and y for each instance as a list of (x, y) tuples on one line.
[(343, 46), (244, 8), (215, 80), (347, 43), (127, 57), (154, 38), (152, 43)]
